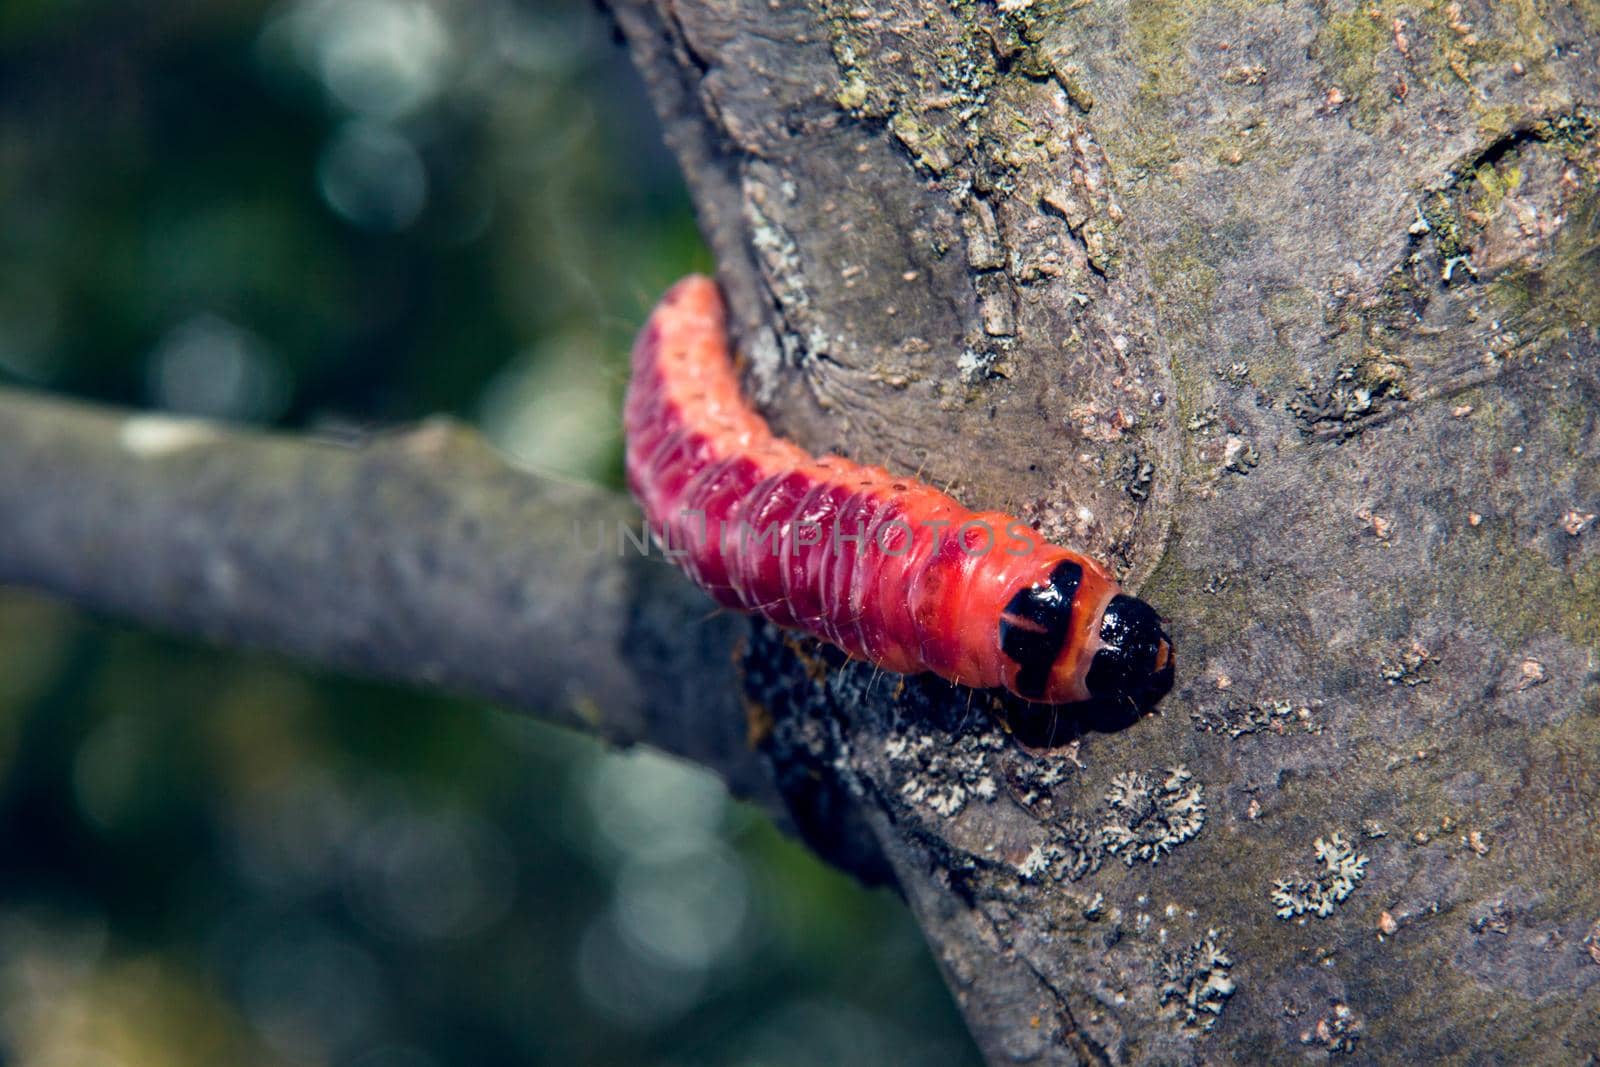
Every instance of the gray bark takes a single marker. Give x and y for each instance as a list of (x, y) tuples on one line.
[(1290, 312)]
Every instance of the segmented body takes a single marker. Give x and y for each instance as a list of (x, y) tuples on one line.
[(888, 569)]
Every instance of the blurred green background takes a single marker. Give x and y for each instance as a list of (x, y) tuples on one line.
[(334, 217)]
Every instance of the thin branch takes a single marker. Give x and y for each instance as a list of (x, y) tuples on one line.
[(421, 557)]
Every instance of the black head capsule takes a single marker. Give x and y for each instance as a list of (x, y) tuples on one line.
[(1136, 661)]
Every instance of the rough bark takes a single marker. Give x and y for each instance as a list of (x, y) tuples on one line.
[(1290, 311)]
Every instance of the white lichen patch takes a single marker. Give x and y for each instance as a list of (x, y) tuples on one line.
[(1342, 870), (1150, 815), (1196, 978), (780, 255), (1072, 851), (1337, 1031), (149, 436), (1239, 456), (1408, 667), (974, 366), (1034, 780), (1575, 522), (941, 775), (1236, 718)]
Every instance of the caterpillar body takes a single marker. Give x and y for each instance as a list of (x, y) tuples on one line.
[(888, 569)]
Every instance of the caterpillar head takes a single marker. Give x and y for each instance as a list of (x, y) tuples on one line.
[(1063, 655), (1134, 662)]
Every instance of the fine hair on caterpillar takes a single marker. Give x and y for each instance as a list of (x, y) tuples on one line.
[(895, 537)]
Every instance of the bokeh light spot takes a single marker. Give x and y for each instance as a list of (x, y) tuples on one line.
[(380, 58), (373, 177), (650, 807), (550, 409), (629, 987), (210, 366), (687, 911), (309, 992)]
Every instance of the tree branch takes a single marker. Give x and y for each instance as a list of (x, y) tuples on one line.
[(420, 557)]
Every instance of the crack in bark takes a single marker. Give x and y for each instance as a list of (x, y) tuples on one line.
[(1087, 1048)]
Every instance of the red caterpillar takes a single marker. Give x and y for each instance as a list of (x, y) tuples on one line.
[(888, 569)]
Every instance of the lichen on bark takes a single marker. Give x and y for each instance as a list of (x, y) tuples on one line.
[(1287, 310)]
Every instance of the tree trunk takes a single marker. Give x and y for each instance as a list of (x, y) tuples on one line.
[(1288, 311)]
